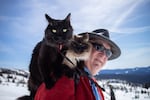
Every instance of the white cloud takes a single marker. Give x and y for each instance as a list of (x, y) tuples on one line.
[(128, 31), (87, 15), (124, 15)]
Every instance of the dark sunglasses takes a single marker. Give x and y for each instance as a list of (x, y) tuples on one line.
[(101, 48)]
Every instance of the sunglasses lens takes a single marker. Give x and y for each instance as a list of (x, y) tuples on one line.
[(108, 53), (101, 48)]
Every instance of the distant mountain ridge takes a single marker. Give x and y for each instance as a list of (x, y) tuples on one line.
[(136, 70), (20, 72), (139, 75), (13, 76)]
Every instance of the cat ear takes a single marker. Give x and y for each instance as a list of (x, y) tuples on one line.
[(86, 37), (75, 37), (68, 17), (49, 19)]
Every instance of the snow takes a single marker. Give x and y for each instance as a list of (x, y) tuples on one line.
[(13, 86), (10, 91), (124, 91), (130, 96)]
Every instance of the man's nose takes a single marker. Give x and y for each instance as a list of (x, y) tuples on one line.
[(102, 54)]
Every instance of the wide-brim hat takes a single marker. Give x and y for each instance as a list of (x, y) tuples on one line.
[(103, 34)]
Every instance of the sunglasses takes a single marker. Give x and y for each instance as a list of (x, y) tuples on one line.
[(101, 48)]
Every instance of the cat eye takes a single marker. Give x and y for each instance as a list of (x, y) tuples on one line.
[(64, 30), (54, 31)]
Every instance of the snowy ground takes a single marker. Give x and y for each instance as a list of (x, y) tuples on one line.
[(10, 91), (124, 90), (13, 85), (131, 96)]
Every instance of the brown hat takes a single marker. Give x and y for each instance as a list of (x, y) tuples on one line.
[(103, 34)]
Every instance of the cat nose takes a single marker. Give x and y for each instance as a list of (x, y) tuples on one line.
[(58, 39), (80, 49)]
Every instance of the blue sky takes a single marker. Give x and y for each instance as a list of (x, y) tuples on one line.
[(22, 25)]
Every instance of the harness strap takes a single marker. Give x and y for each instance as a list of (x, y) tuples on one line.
[(67, 58)]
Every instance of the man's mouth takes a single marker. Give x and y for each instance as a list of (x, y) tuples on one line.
[(98, 60)]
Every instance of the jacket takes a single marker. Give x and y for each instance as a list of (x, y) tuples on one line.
[(65, 89)]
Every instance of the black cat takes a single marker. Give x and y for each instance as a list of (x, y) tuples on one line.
[(57, 35), (46, 58)]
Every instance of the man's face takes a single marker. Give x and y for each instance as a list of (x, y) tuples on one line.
[(97, 59)]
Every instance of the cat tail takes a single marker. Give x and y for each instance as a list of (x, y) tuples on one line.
[(25, 97)]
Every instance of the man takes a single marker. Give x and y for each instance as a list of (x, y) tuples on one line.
[(87, 89)]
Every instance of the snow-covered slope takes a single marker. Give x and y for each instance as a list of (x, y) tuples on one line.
[(10, 91), (124, 91), (13, 84)]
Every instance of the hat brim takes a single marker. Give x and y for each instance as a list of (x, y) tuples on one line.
[(93, 37)]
